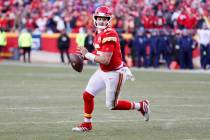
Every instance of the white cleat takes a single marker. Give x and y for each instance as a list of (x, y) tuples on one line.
[(145, 110), (83, 127)]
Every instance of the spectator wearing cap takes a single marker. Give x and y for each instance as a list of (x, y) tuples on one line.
[(185, 51), (174, 39), (139, 44), (153, 41), (163, 48)]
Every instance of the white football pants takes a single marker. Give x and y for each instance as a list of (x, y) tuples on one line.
[(111, 81)]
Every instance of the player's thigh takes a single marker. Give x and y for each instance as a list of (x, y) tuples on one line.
[(114, 83), (96, 83)]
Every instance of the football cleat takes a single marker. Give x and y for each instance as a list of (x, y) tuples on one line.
[(83, 127), (144, 110)]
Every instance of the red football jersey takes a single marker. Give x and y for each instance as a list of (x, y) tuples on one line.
[(108, 41)]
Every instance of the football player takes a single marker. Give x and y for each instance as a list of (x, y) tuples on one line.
[(111, 74)]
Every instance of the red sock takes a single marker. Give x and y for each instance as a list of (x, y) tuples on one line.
[(88, 105), (123, 105)]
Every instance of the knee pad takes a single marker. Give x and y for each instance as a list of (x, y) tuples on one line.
[(87, 96)]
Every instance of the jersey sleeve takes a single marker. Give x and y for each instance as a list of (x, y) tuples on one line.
[(109, 36)]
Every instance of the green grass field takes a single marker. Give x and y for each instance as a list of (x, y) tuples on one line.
[(39, 102)]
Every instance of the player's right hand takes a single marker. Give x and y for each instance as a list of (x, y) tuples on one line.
[(82, 50)]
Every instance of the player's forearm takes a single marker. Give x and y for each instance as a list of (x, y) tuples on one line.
[(102, 60)]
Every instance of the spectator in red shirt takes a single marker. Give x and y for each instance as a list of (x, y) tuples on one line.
[(148, 20), (30, 24), (182, 19), (3, 21), (190, 22), (160, 21)]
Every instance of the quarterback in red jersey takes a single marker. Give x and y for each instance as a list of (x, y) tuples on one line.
[(111, 75)]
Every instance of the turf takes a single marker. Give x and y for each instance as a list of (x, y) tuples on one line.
[(39, 102)]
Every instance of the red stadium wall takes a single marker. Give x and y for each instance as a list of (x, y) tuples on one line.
[(48, 43), (12, 42)]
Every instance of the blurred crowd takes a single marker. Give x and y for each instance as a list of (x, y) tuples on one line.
[(174, 49), (56, 15)]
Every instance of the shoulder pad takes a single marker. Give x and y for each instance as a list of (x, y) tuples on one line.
[(109, 35)]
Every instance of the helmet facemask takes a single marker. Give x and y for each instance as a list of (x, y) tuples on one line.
[(102, 17), (102, 22)]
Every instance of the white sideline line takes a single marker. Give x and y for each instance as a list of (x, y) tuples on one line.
[(166, 97), (103, 121), (54, 109), (36, 97), (180, 105), (80, 95), (37, 108), (51, 65)]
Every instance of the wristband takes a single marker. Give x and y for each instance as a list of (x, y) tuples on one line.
[(90, 56)]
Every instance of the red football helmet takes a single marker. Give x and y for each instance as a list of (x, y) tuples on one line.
[(103, 12)]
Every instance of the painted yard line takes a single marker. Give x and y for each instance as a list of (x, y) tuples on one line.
[(67, 75), (38, 108), (79, 95), (52, 108), (198, 82), (44, 75), (20, 97), (103, 121), (173, 97)]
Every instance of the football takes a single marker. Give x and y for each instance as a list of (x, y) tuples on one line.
[(76, 61)]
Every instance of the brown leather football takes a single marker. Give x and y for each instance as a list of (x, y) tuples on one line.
[(76, 61)]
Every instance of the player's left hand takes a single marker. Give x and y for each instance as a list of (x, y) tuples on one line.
[(82, 50)]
